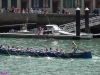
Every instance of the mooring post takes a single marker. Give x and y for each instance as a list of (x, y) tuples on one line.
[(77, 21), (87, 20)]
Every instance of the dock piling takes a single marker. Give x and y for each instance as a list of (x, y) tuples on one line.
[(87, 20), (78, 21)]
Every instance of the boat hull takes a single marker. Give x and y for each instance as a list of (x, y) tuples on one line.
[(49, 54)]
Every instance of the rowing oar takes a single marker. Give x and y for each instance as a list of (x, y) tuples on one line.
[(27, 54), (47, 55), (8, 53), (69, 57), (36, 54), (57, 56), (17, 53)]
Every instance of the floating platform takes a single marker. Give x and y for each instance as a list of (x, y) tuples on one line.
[(47, 36)]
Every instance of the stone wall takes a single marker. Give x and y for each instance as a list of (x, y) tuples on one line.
[(40, 19), (16, 18)]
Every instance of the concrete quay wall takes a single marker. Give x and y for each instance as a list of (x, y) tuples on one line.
[(17, 18), (57, 18), (40, 19)]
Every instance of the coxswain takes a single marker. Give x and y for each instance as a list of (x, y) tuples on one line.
[(74, 46)]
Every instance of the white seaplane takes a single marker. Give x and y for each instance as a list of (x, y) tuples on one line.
[(55, 29)]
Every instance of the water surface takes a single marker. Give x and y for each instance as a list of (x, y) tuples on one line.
[(24, 65)]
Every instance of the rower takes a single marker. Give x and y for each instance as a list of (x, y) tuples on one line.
[(27, 50), (21, 49), (12, 48), (51, 51), (74, 46), (57, 51), (41, 51), (46, 50), (3, 48), (17, 48), (8, 48), (0, 46), (31, 49), (61, 51), (36, 51)]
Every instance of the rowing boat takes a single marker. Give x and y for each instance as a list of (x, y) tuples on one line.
[(48, 54)]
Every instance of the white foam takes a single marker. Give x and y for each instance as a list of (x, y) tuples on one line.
[(49, 58), (72, 60), (96, 57), (18, 57)]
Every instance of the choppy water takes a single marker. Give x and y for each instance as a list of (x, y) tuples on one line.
[(23, 65)]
